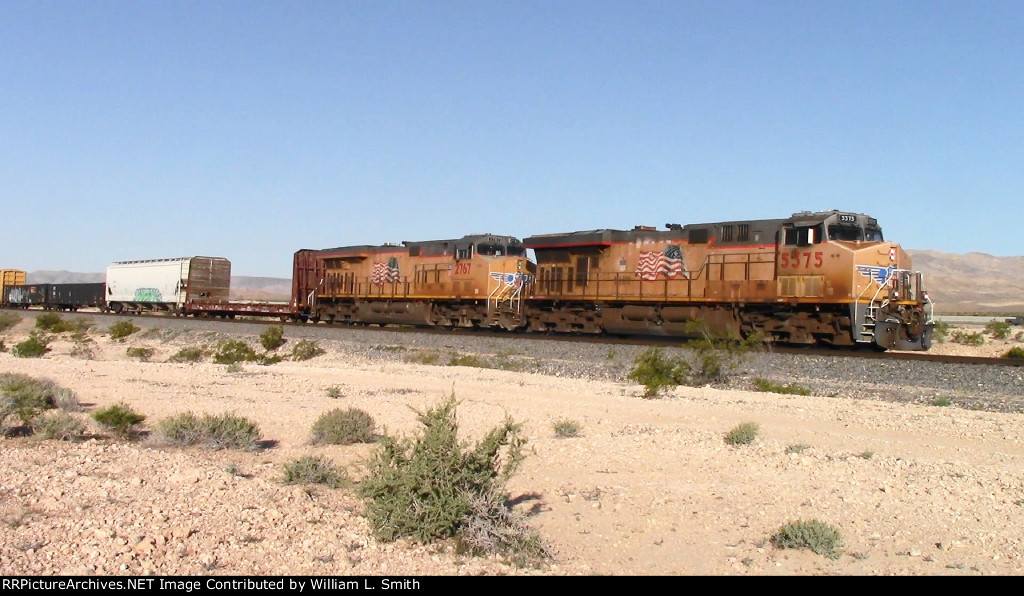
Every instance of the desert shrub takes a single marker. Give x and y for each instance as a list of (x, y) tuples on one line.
[(743, 434), (770, 387), (974, 338), (334, 392), (425, 488), (998, 329), (119, 419), (567, 428), (122, 329), (58, 425), (797, 448), (3, 346), (423, 357), (8, 320), (491, 527), (188, 355), (940, 331), (314, 469), (233, 351), (941, 401), (655, 371), (273, 337), (343, 427), (82, 345), (26, 397), (142, 353), (815, 535), (224, 431), (306, 349), (467, 360), (49, 321), (35, 346), (1015, 352)]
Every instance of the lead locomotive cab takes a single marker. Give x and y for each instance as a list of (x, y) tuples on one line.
[(842, 259)]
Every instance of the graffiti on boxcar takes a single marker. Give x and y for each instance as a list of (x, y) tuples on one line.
[(148, 295)]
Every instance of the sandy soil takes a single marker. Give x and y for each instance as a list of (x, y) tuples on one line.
[(650, 486)]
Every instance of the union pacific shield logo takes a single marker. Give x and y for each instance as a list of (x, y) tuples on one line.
[(880, 275)]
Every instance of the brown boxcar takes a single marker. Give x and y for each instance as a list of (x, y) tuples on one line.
[(825, 277), (474, 281)]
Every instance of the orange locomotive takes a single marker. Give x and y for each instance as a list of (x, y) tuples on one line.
[(826, 277), (474, 281)]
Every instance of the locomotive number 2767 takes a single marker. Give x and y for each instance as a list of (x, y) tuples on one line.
[(796, 260)]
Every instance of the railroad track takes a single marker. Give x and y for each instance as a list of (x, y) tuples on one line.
[(865, 353)]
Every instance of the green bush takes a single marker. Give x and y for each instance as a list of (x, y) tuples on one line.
[(429, 487), (334, 392), (1015, 352), (769, 387), (188, 355), (49, 321), (940, 331), (233, 351), (83, 346), (305, 349), (941, 402), (119, 419), (998, 329), (314, 469), (743, 434), (273, 337), (423, 357), (26, 397), (968, 339), (567, 428), (8, 320), (35, 346), (122, 329), (655, 371), (815, 535), (224, 431), (142, 353), (58, 425), (343, 427)]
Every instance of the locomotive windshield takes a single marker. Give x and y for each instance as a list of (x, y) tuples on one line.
[(853, 233), (498, 250)]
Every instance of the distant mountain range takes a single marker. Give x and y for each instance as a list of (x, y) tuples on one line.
[(958, 283)]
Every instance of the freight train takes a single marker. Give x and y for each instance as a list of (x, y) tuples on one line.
[(824, 278)]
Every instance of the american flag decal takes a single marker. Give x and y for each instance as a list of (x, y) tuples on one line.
[(880, 275), (385, 272), (668, 262)]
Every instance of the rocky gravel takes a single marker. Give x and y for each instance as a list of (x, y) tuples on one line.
[(648, 488)]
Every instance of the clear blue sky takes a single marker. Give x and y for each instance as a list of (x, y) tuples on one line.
[(248, 130)]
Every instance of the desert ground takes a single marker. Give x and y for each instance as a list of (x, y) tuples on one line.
[(649, 487)]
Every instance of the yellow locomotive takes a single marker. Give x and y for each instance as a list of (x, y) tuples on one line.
[(474, 281), (825, 277)]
